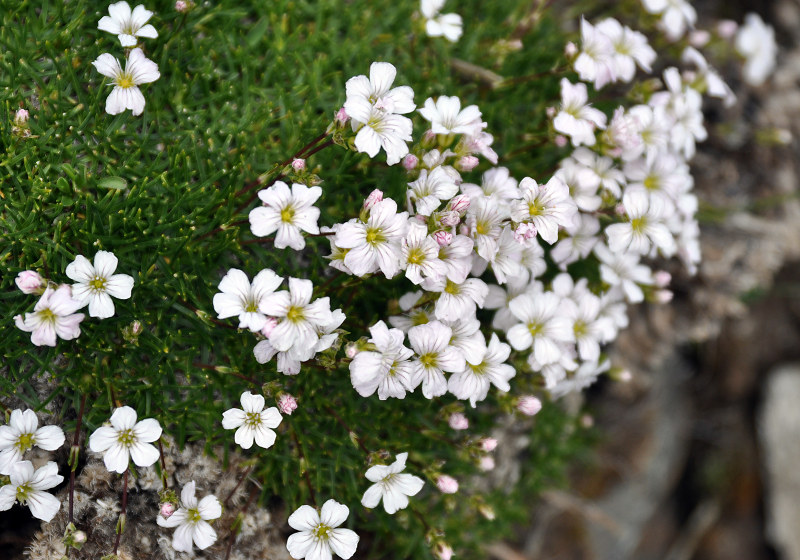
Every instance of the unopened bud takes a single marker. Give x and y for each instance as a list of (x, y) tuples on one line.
[(488, 444), (167, 509), (570, 50), (287, 403), (529, 405), (467, 163), (619, 210), (342, 117), (699, 38), (79, 537), (269, 326), (410, 162), (447, 484), (486, 463), (29, 281), (727, 28), (374, 198), (587, 421), (663, 296), (181, 6), (524, 232), (459, 203), (449, 219), (551, 112), (625, 376), (458, 421), (443, 552), (560, 140), (662, 278), (21, 117), (298, 164), (443, 238), (429, 137), (351, 350), (486, 511)]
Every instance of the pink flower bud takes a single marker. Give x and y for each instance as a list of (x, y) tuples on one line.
[(467, 163), (167, 509), (21, 117), (587, 421), (410, 162), (29, 282), (458, 421), (374, 198), (486, 463), (524, 232), (560, 140), (449, 219), (570, 50), (136, 328), (342, 117), (664, 296), (551, 112), (443, 552), (298, 164), (271, 323), (429, 136), (619, 210), (181, 6), (488, 444), (662, 278), (699, 38), (727, 28), (459, 203), (625, 376), (78, 537), (529, 405), (443, 238), (350, 350), (447, 484), (287, 403)]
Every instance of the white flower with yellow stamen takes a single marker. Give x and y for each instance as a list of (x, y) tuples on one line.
[(192, 519), (252, 422), (301, 320), (28, 488), (96, 283), (126, 439), (126, 95), (286, 212), (319, 534), (238, 297), (127, 24), (23, 433)]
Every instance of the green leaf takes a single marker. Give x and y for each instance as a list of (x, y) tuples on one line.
[(117, 183)]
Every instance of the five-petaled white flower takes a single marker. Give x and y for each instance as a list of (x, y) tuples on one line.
[(431, 342), (127, 24), (54, 314), (96, 283), (253, 422), (437, 25), (286, 212), (21, 434), (577, 118), (126, 439), (392, 485), (238, 297), (28, 488), (388, 370), (319, 535), (192, 519), (126, 95), (301, 320), (447, 117)]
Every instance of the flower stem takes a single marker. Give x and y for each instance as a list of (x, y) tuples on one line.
[(235, 488), (121, 522), (73, 458)]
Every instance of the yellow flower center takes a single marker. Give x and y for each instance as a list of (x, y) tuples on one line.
[(25, 442), (295, 314), (125, 80), (428, 360), (23, 492), (416, 256), (638, 224), (536, 208), (452, 288), (126, 437), (535, 329), (253, 419), (580, 328), (321, 532), (287, 214), (98, 284), (375, 236)]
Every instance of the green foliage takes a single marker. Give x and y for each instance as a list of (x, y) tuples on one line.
[(242, 88)]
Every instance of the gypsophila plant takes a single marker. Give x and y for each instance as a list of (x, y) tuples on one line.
[(381, 247)]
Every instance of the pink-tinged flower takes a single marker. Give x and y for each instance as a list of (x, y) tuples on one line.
[(27, 487), (287, 403), (23, 433), (238, 298), (459, 203), (443, 238), (489, 444), (529, 405), (126, 94), (319, 535), (447, 484), (286, 212), (127, 25), (458, 421), (96, 283), (181, 6), (21, 117), (192, 520), (373, 198), (524, 232), (577, 118), (341, 117), (467, 163), (29, 282), (54, 315), (410, 162), (268, 327), (298, 164), (392, 485), (252, 422), (167, 509), (126, 439), (486, 463), (447, 117)]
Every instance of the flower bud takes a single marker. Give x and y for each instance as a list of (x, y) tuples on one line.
[(699, 38), (443, 238), (298, 164), (488, 444), (449, 219), (551, 112), (663, 296), (410, 162), (342, 117), (458, 421), (570, 50), (29, 281), (524, 232), (181, 6), (587, 421), (374, 198), (79, 537), (662, 278), (287, 403), (459, 203), (443, 552), (625, 376), (351, 350), (529, 405), (727, 28), (268, 327), (21, 117), (486, 463), (167, 509), (560, 140), (447, 484), (467, 163)]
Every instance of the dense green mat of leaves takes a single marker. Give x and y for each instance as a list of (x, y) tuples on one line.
[(242, 88)]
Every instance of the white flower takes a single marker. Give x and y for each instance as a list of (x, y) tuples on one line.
[(192, 519), (319, 536), (286, 212), (430, 189), (581, 238), (474, 380), (589, 327), (624, 270), (484, 222), (391, 485), (676, 16), (595, 62), (21, 434), (438, 25), (54, 314), (126, 95), (301, 318), (375, 244), (447, 117), (128, 25), (238, 298), (545, 206), (253, 422), (457, 257), (28, 488), (419, 255), (431, 342), (377, 91), (96, 284), (126, 439), (542, 325), (388, 370), (755, 41), (456, 301), (646, 213), (630, 48), (683, 105), (710, 81), (496, 182), (577, 119)]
